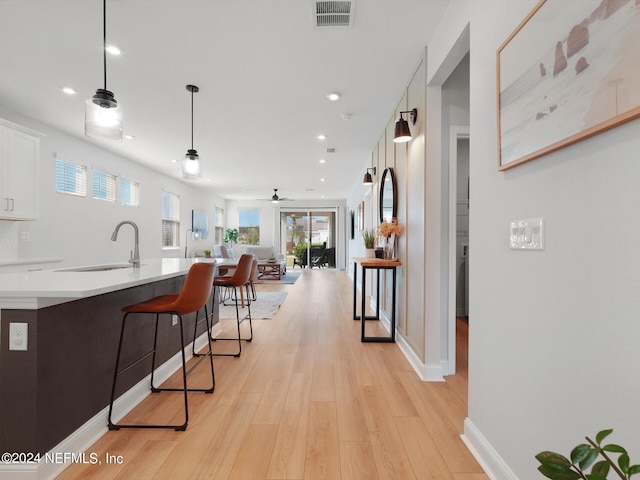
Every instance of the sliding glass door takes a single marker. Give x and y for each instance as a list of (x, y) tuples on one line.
[(309, 238)]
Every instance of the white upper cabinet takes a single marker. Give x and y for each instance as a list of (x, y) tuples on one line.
[(19, 156)]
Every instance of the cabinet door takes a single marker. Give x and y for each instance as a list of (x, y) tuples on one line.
[(19, 166)]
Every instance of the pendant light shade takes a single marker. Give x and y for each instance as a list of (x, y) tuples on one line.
[(102, 114), (190, 164), (403, 132)]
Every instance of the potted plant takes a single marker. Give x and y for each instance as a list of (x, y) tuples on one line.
[(207, 253), (369, 238), (231, 235), (558, 467)]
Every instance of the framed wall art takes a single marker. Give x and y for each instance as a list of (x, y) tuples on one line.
[(568, 72)]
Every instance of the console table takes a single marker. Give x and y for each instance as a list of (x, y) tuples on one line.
[(376, 264)]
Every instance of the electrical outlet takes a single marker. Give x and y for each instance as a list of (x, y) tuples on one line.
[(18, 333), (25, 237), (174, 320)]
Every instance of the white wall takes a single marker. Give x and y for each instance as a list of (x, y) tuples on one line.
[(78, 230), (553, 334)]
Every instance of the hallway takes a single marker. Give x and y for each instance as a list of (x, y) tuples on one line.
[(306, 400)]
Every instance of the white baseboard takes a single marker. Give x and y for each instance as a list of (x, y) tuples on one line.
[(487, 456), (426, 372), (79, 441)]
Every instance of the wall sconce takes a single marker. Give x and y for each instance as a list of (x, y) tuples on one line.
[(403, 134), (368, 179)]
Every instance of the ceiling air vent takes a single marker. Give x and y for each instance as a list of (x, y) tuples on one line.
[(334, 14)]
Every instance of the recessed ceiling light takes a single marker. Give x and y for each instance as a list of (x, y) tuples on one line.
[(69, 90), (333, 96), (174, 161), (322, 160), (346, 116), (322, 179), (113, 50), (321, 137), (129, 137), (209, 180)]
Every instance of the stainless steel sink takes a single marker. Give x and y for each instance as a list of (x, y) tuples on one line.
[(97, 268)]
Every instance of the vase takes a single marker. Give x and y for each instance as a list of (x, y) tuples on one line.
[(370, 253), (389, 248)]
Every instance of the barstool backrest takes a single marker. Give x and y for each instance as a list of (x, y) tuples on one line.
[(242, 271), (254, 269), (196, 289)]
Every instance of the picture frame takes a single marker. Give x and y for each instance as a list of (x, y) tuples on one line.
[(352, 223), (360, 215), (200, 223), (568, 72)]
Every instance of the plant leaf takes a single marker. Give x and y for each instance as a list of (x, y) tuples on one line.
[(612, 447), (553, 460), (623, 462), (595, 477), (589, 459), (553, 474), (602, 435), (634, 469), (580, 453), (601, 469)]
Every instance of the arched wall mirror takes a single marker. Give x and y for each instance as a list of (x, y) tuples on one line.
[(388, 196)]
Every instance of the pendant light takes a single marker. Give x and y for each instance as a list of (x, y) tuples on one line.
[(191, 166), (102, 115)]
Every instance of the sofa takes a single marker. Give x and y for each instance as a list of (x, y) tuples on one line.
[(261, 253), (264, 254)]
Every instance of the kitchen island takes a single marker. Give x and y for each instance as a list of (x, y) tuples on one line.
[(62, 381)]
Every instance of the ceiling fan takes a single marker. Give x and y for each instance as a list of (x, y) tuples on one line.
[(277, 199)]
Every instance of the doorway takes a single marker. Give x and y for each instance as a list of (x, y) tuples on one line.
[(308, 238), (459, 185)]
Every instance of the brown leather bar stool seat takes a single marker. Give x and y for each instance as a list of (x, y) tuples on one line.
[(193, 296), (236, 282)]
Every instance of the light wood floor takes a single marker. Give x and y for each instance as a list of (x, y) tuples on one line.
[(306, 400)]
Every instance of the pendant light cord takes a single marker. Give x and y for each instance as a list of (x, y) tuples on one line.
[(192, 119), (104, 40)]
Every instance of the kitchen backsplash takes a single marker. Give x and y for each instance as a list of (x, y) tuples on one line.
[(8, 241)]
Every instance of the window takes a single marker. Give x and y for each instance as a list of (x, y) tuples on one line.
[(129, 193), (71, 178), (249, 227), (219, 226), (104, 186), (170, 220)]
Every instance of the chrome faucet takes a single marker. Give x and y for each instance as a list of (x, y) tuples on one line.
[(135, 255)]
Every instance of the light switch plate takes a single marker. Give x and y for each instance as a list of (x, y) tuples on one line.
[(527, 234)]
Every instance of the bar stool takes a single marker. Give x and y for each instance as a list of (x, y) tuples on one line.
[(193, 296), (252, 278), (239, 280)]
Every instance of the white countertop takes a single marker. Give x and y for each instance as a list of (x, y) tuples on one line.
[(44, 288)]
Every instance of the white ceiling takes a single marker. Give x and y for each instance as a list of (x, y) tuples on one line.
[(263, 69)]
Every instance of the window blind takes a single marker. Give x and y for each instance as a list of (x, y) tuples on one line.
[(104, 186), (71, 178), (129, 193), (170, 219)]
